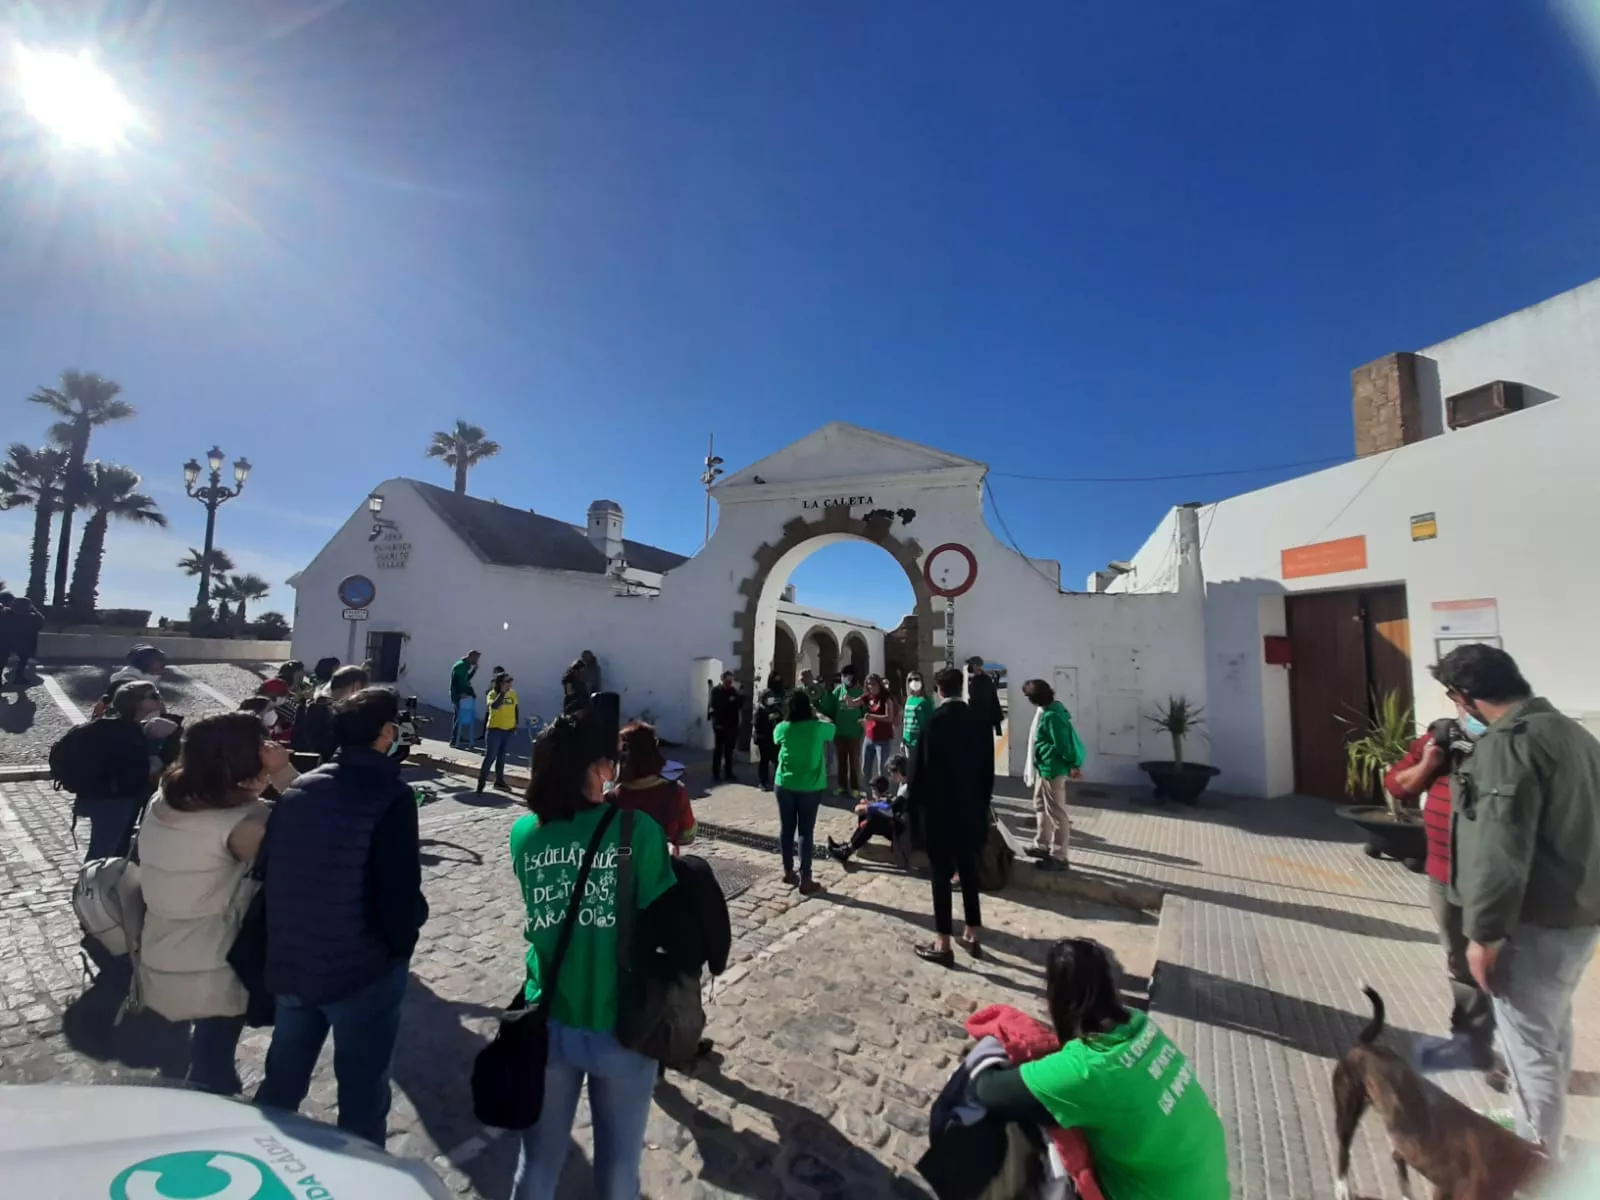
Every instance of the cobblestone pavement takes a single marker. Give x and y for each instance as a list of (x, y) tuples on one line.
[(832, 1038), (32, 718)]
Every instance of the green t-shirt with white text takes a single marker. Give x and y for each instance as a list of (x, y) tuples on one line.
[(546, 859), (1150, 1126)]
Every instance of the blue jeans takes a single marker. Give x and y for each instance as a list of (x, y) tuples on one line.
[(620, 1085), (213, 1052), (797, 810), (364, 1026), (875, 758), (111, 822), (1535, 977), (498, 742)]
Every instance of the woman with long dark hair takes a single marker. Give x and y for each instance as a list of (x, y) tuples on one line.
[(1118, 1078), (572, 772), (878, 713), (196, 846)]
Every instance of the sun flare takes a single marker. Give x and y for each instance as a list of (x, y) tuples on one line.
[(73, 98)]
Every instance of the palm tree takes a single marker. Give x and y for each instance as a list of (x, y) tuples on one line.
[(83, 401), (32, 479), (110, 491), (193, 563), (463, 448), (239, 590)]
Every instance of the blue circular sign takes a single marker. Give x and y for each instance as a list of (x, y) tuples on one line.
[(357, 591)]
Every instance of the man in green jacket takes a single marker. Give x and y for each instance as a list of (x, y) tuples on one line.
[(1054, 755), (1525, 870)]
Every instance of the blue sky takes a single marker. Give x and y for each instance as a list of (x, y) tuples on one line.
[(1065, 239)]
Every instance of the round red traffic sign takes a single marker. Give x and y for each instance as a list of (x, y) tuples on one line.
[(950, 569)]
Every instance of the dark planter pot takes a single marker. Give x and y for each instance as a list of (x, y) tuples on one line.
[(1405, 840), (1180, 783)]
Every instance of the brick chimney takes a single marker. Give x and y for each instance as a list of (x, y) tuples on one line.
[(605, 528), (1388, 409)]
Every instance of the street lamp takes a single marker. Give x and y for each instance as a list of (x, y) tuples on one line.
[(709, 476), (213, 496)]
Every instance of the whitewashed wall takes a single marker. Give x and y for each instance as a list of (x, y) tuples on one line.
[(802, 621), (1112, 657), (1511, 497)]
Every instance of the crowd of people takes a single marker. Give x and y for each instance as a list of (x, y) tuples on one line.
[(279, 857)]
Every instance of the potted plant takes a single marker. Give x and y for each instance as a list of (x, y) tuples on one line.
[(1178, 780), (1383, 736)]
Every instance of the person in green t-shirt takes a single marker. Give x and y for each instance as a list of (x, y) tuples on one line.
[(1150, 1126), (802, 780), (918, 708), (847, 709), (567, 797)]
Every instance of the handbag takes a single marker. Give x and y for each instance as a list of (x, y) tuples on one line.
[(659, 1017), (508, 1073)]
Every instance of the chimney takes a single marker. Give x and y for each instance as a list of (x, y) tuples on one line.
[(1191, 576), (605, 529), (1388, 409)]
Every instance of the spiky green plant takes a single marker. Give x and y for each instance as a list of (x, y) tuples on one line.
[(1382, 738), (1178, 719)]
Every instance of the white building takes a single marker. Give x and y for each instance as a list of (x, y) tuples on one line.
[(453, 573), (1469, 516)]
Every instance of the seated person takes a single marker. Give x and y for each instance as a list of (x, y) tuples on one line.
[(642, 786), (1150, 1127), (881, 816)]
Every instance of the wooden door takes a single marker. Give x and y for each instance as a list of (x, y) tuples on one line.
[(1388, 643), (1327, 681)]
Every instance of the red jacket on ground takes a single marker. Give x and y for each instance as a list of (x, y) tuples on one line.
[(1435, 815)]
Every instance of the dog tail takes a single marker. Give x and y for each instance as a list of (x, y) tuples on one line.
[(1375, 1026)]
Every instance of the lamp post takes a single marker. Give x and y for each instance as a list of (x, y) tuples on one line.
[(709, 476), (213, 496)]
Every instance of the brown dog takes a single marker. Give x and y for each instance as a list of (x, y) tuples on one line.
[(1463, 1154)]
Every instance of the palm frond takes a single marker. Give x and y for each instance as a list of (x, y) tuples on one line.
[(1382, 740)]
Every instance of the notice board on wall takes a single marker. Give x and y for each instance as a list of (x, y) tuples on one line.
[(1463, 622)]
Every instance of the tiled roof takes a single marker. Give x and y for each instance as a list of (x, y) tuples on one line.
[(515, 537)]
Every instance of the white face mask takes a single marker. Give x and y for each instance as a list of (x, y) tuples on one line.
[(915, 685), (269, 719)]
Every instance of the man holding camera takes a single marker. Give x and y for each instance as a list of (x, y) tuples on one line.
[(1425, 772), (1525, 869)]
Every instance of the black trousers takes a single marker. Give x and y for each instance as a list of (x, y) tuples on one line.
[(769, 760), (942, 860), (877, 824), (722, 751)]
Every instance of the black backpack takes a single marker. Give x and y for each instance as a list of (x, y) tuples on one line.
[(78, 759)]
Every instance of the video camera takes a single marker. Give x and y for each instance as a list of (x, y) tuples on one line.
[(410, 722)]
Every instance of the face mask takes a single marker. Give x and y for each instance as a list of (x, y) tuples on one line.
[(269, 719), (394, 746), (1473, 727), (915, 685)]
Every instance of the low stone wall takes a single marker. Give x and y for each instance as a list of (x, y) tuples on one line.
[(104, 647)]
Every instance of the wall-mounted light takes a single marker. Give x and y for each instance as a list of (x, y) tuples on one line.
[(375, 504)]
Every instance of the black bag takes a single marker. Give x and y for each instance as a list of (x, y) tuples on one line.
[(77, 760), (508, 1073), (996, 857), (659, 1017), (248, 954)]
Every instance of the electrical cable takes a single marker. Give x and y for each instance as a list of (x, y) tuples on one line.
[(1310, 462), (988, 489)]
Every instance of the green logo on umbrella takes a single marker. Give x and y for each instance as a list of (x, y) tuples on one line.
[(199, 1175)]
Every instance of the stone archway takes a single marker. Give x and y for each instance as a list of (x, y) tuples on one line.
[(819, 644), (830, 525), (857, 655), (785, 654)]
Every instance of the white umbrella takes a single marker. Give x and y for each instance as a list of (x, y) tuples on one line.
[(153, 1143)]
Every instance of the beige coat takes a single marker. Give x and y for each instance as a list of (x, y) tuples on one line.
[(195, 895)]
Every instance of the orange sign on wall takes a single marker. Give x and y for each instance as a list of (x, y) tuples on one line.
[(1326, 558)]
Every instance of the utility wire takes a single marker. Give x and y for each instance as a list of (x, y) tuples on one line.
[(1310, 462), (1006, 529)]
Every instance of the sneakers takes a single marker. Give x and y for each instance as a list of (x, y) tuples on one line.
[(1050, 864), (839, 854), (1458, 1052), (1037, 852)]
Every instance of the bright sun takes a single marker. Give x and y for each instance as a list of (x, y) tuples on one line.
[(73, 98)]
